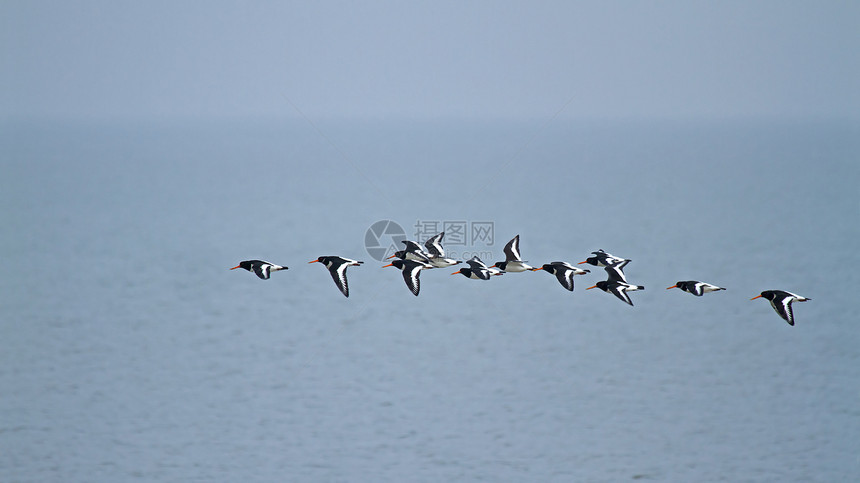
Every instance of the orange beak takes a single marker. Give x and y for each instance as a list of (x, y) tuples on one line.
[(757, 296), (237, 266), (593, 286), (389, 265), (392, 256), (455, 273), (584, 261), (313, 261), (673, 286), (534, 269)]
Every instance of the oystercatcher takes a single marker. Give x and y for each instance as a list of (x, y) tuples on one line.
[(436, 254), (413, 251), (563, 271), (262, 268), (513, 262), (603, 259), (781, 301), (337, 267), (411, 271), (696, 288), (617, 288), (615, 272), (477, 270), (616, 283)]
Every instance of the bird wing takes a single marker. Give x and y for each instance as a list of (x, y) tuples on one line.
[(434, 245), (618, 291), (411, 246), (417, 256), (475, 264), (608, 258), (481, 272), (411, 272), (565, 277), (512, 249), (696, 288), (338, 274), (615, 273), (262, 270), (782, 305), (567, 266)]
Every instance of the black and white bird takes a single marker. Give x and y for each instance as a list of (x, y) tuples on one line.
[(413, 251), (513, 261), (616, 283), (615, 272), (411, 272), (262, 268), (436, 254), (563, 271), (781, 301), (603, 259), (477, 270), (619, 289), (337, 267), (696, 288)]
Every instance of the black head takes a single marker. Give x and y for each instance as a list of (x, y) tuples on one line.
[(324, 260), (548, 267), (603, 285), (768, 294), (397, 264), (500, 265)]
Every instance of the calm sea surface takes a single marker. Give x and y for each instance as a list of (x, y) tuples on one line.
[(129, 351)]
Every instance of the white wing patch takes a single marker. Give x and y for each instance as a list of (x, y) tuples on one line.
[(621, 292), (565, 277), (339, 276), (512, 250), (412, 280), (783, 308)]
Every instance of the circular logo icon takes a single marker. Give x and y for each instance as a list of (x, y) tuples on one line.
[(383, 238)]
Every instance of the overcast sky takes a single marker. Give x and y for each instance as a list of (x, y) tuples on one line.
[(461, 59)]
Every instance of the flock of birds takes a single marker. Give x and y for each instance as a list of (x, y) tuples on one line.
[(414, 258)]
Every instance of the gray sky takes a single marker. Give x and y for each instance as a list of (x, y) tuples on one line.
[(461, 59)]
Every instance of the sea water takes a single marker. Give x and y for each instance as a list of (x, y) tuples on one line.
[(129, 351)]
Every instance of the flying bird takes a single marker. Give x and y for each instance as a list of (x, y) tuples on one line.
[(616, 282), (411, 272), (781, 301), (413, 251), (619, 289), (262, 268), (477, 270), (603, 259), (615, 272), (337, 267), (436, 254), (563, 271), (696, 288), (513, 261)]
